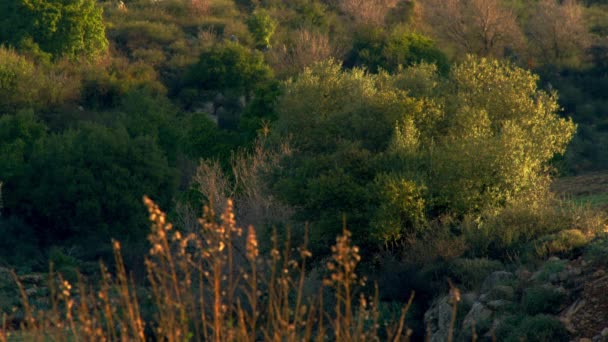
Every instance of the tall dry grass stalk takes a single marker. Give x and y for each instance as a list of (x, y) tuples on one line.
[(213, 285)]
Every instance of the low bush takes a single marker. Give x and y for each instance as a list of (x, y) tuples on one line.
[(472, 272), (542, 299), (564, 242), (540, 328)]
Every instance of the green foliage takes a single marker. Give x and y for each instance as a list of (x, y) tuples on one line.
[(203, 139), (597, 251), (262, 27), (19, 133), (228, 66), (542, 299), (61, 28), (19, 246), (562, 242), (338, 123), (499, 133), (375, 49), (17, 79), (105, 84), (540, 328), (89, 182), (513, 227), (401, 211), (472, 272), (471, 144)]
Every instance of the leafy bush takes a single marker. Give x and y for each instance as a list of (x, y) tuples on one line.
[(542, 299), (375, 49), (87, 182), (401, 211), (540, 328), (228, 66), (562, 242), (17, 81), (514, 227), (472, 272), (71, 29), (597, 251), (262, 27), (105, 84)]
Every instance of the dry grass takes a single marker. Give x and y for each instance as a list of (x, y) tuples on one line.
[(214, 285), (303, 49)]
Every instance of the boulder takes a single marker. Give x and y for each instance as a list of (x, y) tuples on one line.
[(496, 278), (437, 319)]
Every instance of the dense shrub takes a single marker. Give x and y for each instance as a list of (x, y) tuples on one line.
[(71, 29), (228, 66), (376, 49), (17, 81), (540, 328), (87, 182), (472, 272), (544, 299)]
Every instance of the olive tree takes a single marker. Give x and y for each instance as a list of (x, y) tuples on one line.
[(393, 151)]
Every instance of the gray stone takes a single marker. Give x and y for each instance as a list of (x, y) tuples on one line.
[(468, 298), (478, 313), (502, 292), (496, 278), (484, 298), (604, 332), (437, 319), (498, 305)]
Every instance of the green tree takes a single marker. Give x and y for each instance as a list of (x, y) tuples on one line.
[(71, 28), (375, 49), (262, 27), (17, 81), (393, 151), (229, 66), (87, 183), (338, 124)]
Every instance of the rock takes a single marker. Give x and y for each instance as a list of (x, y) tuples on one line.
[(584, 339), (604, 332), (496, 278), (576, 271), (484, 298), (468, 299), (599, 273), (554, 277), (498, 305), (570, 312), (553, 258), (437, 319), (523, 274), (208, 107), (502, 292), (478, 313)]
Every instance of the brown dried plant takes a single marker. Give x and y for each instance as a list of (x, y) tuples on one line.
[(370, 12), (214, 284)]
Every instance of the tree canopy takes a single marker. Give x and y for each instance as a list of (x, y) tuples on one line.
[(393, 151), (70, 28)]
